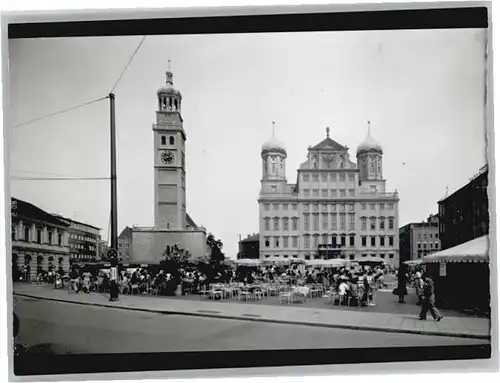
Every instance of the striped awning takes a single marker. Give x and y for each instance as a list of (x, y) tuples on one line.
[(476, 250)]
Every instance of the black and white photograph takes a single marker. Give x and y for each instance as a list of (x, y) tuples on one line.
[(287, 192)]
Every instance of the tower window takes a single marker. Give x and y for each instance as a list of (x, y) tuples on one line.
[(171, 139), (163, 140)]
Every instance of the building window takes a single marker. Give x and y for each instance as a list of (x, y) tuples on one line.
[(163, 140), (363, 206), (436, 245), (324, 176), (351, 207), (363, 255), (390, 206), (372, 206), (391, 223), (333, 193), (436, 236), (351, 176), (315, 241), (425, 235), (333, 207), (372, 241), (419, 245), (266, 224), (372, 223), (305, 177), (171, 139), (382, 223), (342, 222), (351, 241), (333, 217), (295, 242), (50, 238), (316, 222), (342, 240), (324, 207), (342, 177), (315, 207), (341, 207), (325, 221), (351, 192), (382, 241), (351, 221), (342, 192), (419, 237), (276, 242), (306, 222), (276, 206), (295, 224), (276, 224), (294, 206), (266, 206), (363, 223), (306, 207), (382, 255), (425, 246), (26, 233), (315, 192), (13, 232), (307, 242), (285, 242), (315, 177), (285, 206), (267, 244), (391, 241), (324, 193), (38, 235), (285, 224), (391, 256), (306, 193)]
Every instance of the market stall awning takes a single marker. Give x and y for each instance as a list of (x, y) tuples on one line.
[(248, 262), (413, 263), (376, 259), (475, 250), (335, 262)]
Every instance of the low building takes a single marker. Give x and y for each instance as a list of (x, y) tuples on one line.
[(102, 249), (464, 215), (83, 240), (125, 245), (419, 239), (39, 241), (249, 247)]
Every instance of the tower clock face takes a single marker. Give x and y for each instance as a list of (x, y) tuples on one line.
[(167, 157)]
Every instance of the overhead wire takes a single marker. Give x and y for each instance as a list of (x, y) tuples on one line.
[(59, 112), (128, 64), (16, 178)]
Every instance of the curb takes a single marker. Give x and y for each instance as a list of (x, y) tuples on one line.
[(267, 320)]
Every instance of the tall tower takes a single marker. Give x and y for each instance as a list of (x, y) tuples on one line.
[(169, 158), (273, 156), (369, 155)]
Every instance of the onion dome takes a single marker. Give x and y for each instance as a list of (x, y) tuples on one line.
[(369, 144), (273, 144), (168, 89)]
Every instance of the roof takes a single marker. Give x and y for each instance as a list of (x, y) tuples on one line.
[(483, 172), (190, 221), (78, 222), (475, 250), (28, 210), (126, 233), (329, 144), (253, 238)]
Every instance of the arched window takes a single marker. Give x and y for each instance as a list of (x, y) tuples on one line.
[(171, 139), (163, 140)]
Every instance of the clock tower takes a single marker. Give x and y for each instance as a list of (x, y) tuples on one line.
[(169, 159)]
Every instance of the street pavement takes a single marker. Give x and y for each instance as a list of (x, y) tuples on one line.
[(71, 328), (364, 318)]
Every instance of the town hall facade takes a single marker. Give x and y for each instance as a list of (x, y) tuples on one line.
[(336, 209)]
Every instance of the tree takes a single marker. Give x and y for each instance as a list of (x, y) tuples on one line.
[(217, 258), (174, 259)]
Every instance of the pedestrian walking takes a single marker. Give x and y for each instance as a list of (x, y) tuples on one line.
[(428, 302), (419, 287)]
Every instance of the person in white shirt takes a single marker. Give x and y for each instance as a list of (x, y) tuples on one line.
[(343, 290)]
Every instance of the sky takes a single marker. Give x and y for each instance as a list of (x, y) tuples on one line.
[(423, 92)]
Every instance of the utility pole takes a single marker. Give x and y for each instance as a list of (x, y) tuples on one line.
[(113, 252)]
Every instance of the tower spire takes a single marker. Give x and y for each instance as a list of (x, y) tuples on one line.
[(369, 128), (273, 128), (170, 75), (327, 132), (169, 65)]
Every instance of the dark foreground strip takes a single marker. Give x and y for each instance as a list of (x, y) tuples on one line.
[(247, 317)]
